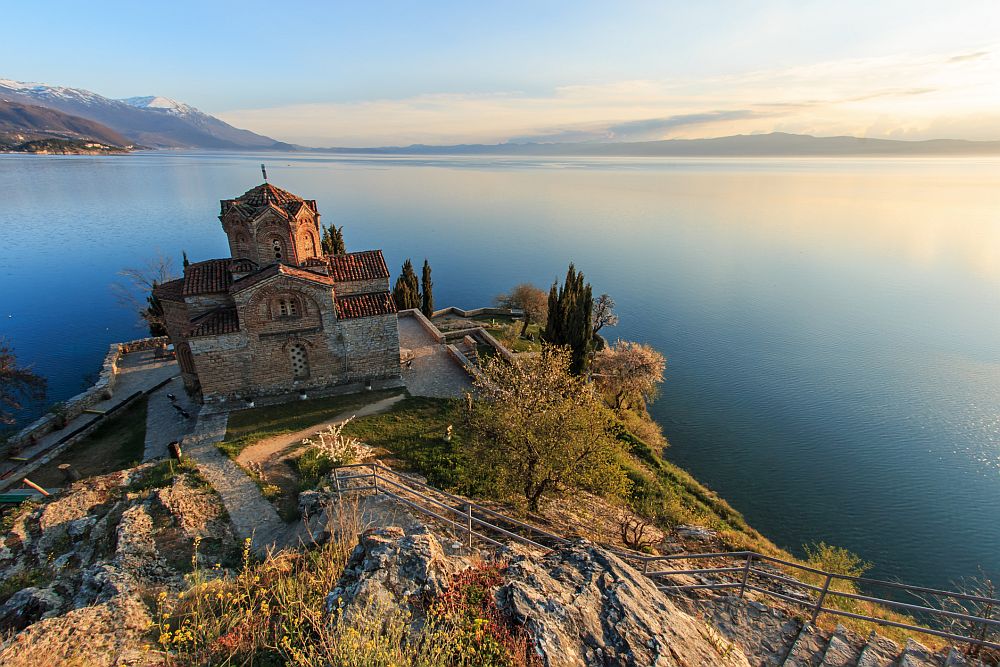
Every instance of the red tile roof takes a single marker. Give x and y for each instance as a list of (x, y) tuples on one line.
[(172, 290), (358, 266), (217, 322), (365, 305), (208, 277), (242, 265), (273, 270), (265, 195)]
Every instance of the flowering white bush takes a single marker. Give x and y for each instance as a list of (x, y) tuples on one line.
[(253, 467), (339, 448)]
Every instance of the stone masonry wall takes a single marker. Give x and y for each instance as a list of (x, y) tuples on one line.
[(362, 286), (258, 360), (372, 346)]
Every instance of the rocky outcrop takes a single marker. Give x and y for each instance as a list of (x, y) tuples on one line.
[(391, 569), (585, 606), (582, 604), (78, 566)]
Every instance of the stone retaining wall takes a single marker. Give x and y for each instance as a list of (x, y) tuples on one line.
[(475, 312), (101, 390), (479, 333)]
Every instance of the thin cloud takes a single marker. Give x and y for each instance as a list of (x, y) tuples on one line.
[(879, 97), (968, 56)]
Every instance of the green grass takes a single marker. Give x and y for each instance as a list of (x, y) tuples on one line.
[(312, 466), (249, 426), (509, 335), (116, 444), (414, 432), (163, 473)]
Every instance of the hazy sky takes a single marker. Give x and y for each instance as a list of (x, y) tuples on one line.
[(381, 73)]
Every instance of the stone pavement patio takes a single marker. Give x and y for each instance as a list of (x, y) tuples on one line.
[(164, 424), (433, 372)]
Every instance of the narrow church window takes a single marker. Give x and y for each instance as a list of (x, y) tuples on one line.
[(287, 307), (300, 362), (276, 245), (310, 245)]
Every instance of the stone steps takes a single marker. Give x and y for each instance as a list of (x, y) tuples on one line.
[(843, 649), (762, 632), (807, 649), (878, 652)]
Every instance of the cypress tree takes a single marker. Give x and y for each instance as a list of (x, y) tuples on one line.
[(326, 243), (185, 260), (552, 323), (427, 299), (333, 241), (570, 320), (339, 247), (407, 289)]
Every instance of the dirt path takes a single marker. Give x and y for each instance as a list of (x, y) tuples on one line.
[(268, 447)]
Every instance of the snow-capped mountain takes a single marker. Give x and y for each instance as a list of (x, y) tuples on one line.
[(158, 103), (157, 122)]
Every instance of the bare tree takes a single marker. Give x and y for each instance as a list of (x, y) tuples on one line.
[(984, 606), (17, 384), (135, 290), (533, 301), (604, 313), (629, 371)]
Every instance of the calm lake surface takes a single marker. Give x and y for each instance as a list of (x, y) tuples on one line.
[(832, 326)]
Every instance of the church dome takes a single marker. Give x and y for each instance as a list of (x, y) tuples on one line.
[(266, 195)]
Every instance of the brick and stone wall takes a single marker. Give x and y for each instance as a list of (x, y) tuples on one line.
[(372, 346), (362, 286)]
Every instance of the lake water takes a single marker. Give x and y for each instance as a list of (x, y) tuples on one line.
[(831, 326)]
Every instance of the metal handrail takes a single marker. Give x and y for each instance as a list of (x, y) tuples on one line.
[(815, 604)]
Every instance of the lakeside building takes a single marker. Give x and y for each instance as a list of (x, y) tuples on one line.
[(278, 317)]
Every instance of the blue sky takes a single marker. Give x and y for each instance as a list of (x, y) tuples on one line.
[(403, 72)]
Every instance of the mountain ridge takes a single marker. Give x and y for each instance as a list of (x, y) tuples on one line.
[(154, 121), (774, 144)]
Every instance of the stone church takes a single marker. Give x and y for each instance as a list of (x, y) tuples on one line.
[(278, 317)]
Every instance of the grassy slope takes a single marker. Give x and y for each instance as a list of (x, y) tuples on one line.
[(413, 433), (249, 426), (116, 444)]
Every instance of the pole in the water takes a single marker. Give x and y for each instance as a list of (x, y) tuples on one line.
[(263, 171)]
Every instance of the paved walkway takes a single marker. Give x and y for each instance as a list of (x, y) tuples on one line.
[(433, 371), (138, 371), (164, 424), (251, 515)]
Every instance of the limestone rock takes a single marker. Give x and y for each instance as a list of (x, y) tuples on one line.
[(391, 568), (86, 556), (310, 502), (27, 606), (585, 606)]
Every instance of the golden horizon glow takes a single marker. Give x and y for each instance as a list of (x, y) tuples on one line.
[(953, 95)]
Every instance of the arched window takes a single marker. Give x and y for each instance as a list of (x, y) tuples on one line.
[(310, 244), (276, 247), (287, 306), (300, 361)]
